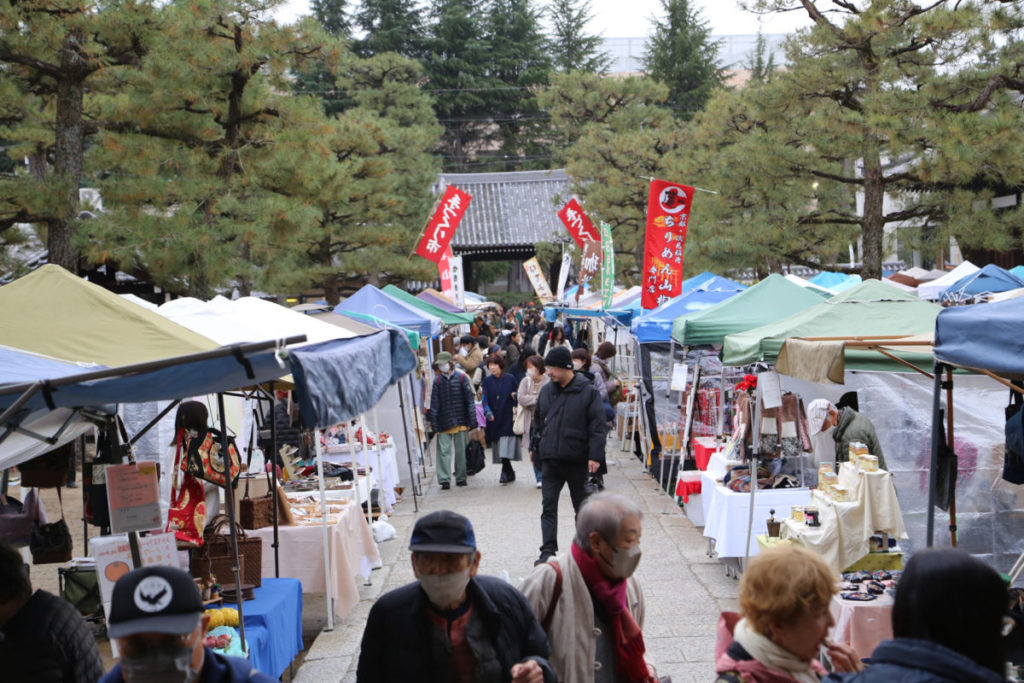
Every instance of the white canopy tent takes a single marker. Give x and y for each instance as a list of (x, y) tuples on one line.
[(934, 289)]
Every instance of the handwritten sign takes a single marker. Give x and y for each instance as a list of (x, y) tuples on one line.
[(133, 494)]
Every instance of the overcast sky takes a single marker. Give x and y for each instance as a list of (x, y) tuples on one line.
[(631, 18)]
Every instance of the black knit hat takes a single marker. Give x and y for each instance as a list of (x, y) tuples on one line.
[(559, 357)]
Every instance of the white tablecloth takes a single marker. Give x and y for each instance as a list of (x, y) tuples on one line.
[(727, 513), (388, 476), (352, 550)]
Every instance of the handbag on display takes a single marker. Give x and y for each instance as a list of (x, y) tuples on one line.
[(218, 544), (51, 543), (49, 470), (204, 460), (186, 516), (18, 519)]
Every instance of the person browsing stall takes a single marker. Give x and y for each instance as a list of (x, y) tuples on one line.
[(452, 624), (847, 426), (156, 618)]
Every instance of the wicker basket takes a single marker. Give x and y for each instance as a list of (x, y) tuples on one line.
[(216, 543), (205, 567)]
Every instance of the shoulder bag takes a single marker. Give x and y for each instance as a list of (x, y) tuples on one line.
[(204, 460), (51, 543), (186, 516)]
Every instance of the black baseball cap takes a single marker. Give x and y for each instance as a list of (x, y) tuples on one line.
[(443, 531), (154, 600)]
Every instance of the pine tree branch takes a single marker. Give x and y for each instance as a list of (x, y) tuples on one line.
[(8, 55)]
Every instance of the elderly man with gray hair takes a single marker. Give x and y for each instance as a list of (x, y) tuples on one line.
[(588, 600)]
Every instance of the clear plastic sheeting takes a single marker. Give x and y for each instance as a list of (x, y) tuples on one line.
[(989, 511)]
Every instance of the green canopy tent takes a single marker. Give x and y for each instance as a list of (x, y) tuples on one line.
[(870, 309), (447, 317), (773, 298)]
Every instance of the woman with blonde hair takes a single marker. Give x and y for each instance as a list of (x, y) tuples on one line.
[(785, 594)]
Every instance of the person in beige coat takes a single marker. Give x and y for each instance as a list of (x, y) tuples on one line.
[(588, 600), (526, 396)]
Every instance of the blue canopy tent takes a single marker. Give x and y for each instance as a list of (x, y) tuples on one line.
[(655, 326), (1018, 271), (371, 301), (989, 280), (835, 282)]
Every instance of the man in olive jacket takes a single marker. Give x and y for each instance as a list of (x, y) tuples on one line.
[(568, 434)]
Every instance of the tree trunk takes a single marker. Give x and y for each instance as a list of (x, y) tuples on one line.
[(873, 220), (68, 145), (332, 290)]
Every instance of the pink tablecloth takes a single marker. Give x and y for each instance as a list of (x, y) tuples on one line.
[(862, 624), (352, 550)]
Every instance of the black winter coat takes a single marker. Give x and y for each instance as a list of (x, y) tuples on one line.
[(572, 428), (908, 660), (451, 402), (396, 641), (48, 641)]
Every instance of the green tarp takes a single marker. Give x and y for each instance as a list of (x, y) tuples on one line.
[(870, 309), (773, 298), (447, 317)]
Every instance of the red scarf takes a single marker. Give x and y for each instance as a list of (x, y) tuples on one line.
[(611, 594)]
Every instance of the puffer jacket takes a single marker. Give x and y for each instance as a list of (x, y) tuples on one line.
[(908, 660), (451, 402), (855, 427), (572, 428)]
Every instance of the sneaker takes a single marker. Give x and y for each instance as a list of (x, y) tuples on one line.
[(445, 486), (539, 485), (461, 483)]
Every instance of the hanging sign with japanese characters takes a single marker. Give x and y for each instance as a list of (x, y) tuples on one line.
[(444, 269), (441, 228), (537, 279), (607, 266), (458, 284), (577, 223), (668, 212), (590, 265)]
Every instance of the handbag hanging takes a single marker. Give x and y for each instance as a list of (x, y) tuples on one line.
[(218, 544), (186, 516), (256, 513), (49, 470), (18, 519), (203, 459), (51, 543)]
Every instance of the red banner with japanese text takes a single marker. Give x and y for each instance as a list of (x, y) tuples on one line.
[(444, 268), (668, 213), (577, 223), (441, 227)]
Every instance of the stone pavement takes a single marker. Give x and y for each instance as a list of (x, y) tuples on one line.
[(684, 589)]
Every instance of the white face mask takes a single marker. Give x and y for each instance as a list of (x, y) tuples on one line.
[(624, 561), (532, 373), (448, 368), (464, 351), (444, 590), (577, 364)]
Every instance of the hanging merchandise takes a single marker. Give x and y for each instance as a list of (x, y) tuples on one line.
[(18, 520), (186, 516), (109, 451), (51, 543), (256, 513), (204, 460), (49, 470)]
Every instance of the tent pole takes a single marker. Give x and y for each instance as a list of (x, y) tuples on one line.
[(323, 528), (754, 453), (229, 500), (85, 524), (933, 467), (408, 446), (369, 479), (273, 473), (949, 440), (382, 496)]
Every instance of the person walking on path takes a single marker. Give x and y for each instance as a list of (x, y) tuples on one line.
[(588, 599), (499, 391), (569, 438), (452, 414), (452, 624), (529, 391)]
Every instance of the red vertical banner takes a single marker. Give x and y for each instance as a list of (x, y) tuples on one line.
[(441, 228), (444, 267), (577, 223), (668, 213)]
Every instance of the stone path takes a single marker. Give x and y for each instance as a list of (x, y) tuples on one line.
[(684, 589)]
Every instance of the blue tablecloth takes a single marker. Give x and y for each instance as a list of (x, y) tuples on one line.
[(273, 625)]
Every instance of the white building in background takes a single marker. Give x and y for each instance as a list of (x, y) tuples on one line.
[(735, 54)]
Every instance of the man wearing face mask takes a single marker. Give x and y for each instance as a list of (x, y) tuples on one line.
[(469, 356), (588, 600), (452, 414), (156, 618), (452, 624)]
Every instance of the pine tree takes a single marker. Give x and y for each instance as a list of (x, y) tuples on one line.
[(682, 55), (762, 63), (331, 14), (572, 48), (390, 26)]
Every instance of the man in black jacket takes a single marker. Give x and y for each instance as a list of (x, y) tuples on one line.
[(568, 433), (452, 625)]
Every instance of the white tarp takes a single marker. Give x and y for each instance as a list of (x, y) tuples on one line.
[(934, 289)]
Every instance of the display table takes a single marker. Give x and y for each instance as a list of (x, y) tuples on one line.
[(688, 488), (862, 624), (703, 448), (273, 625), (727, 514), (388, 475), (352, 551)]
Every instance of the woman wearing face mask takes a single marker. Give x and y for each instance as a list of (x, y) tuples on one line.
[(588, 599), (529, 389), (785, 595), (499, 393)]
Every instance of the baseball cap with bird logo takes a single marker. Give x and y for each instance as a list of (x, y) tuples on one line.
[(154, 600)]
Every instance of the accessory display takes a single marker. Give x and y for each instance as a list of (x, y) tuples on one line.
[(51, 543), (205, 461), (186, 516)]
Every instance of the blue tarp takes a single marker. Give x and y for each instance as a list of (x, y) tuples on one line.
[(655, 326), (990, 279), (1018, 271), (371, 301), (622, 317), (835, 282), (19, 367), (336, 387), (983, 337)]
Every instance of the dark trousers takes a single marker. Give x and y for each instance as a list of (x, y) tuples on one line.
[(555, 473)]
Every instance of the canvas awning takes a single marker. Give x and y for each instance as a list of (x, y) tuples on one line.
[(655, 326), (984, 337), (371, 301), (824, 360), (932, 290), (432, 296), (447, 317)]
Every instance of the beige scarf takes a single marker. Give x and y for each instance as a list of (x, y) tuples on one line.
[(773, 656)]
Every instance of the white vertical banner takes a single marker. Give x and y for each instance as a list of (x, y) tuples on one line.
[(563, 274), (458, 283)]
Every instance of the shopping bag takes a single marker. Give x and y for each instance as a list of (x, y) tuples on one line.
[(519, 423), (205, 461), (475, 459)]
